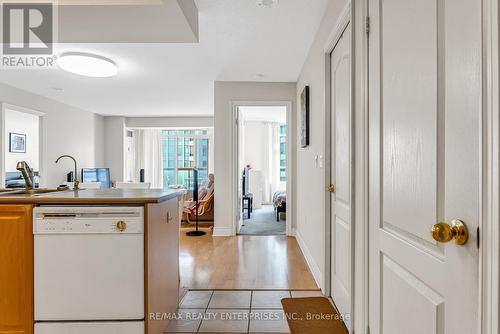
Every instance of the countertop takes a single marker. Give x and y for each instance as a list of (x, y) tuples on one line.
[(95, 196)]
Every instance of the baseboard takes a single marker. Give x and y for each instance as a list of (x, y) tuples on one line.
[(222, 231), (313, 266)]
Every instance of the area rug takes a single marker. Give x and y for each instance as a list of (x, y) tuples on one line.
[(312, 315), (263, 222)]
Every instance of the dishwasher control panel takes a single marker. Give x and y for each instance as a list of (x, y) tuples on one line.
[(88, 220)]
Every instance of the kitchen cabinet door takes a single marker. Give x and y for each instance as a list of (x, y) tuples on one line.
[(162, 264), (16, 271)]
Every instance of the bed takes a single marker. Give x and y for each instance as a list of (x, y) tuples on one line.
[(279, 202)]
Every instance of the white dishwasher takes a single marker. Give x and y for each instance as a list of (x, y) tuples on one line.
[(89, 269)]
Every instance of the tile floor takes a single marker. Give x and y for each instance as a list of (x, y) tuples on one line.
[(217, 311)]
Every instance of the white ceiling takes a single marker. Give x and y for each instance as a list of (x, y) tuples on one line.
[(238, 40), (99, 21)]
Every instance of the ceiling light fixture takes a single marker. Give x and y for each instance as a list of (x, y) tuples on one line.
[(87, 64), (267, 3)]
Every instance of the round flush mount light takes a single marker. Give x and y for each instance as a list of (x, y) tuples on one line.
[(86, 64), (267, 3)]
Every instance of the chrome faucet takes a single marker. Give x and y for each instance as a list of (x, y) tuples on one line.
[(27, 173), (75, 176)]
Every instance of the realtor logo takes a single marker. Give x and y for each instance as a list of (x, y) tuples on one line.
[(27, 34), (27, 28)]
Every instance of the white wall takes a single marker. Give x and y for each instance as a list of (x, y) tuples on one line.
[(129, 173), (225, 93), (65, 130), (253, 151), (27, 124), (255, 143), (114, 146), (310, 181)]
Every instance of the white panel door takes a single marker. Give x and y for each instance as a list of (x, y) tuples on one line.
[(341, 235), (424, 158)]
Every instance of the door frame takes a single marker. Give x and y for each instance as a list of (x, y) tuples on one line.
[(234, 161), (345, 19), (354, 13), (490, 230)]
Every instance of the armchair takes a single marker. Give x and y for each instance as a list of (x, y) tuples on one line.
[(205, 201), (205, 206)]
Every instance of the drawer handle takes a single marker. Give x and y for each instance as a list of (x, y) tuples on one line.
[(169, 219)]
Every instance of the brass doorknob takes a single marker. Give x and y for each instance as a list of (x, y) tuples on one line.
[(121, 226), (443, 232)]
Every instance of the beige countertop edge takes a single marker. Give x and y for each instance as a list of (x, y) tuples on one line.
[(28, 200), (47, 199)]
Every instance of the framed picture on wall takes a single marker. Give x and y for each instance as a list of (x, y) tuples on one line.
[(304, 117), (17, 143)]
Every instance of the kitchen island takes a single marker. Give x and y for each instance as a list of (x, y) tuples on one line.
[(158, 213)]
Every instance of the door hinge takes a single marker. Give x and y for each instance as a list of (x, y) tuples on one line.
[(367, 25), (478, 238), (331, 188), (368, 330)]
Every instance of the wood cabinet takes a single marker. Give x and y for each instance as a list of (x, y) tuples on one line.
[(162, 264), (16, 274)]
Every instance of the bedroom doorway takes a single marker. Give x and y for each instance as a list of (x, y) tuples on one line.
[(262, 165)]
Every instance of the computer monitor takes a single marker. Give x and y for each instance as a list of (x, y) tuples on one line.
[(97, 175)]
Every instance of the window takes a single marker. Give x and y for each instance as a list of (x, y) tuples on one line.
[(184, 150), (282, 153)]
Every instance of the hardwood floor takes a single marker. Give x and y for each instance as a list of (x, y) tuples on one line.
[(243, 262)]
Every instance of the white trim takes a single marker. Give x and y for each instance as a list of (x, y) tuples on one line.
[(313, 266), (170, 128), (345, 20), (234, 159), (2, 147), (222, 232), (22, 109), (490, 234), (360, 93), (354, 13), (342, 23)]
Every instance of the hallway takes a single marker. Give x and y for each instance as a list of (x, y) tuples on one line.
[(243, 262)]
